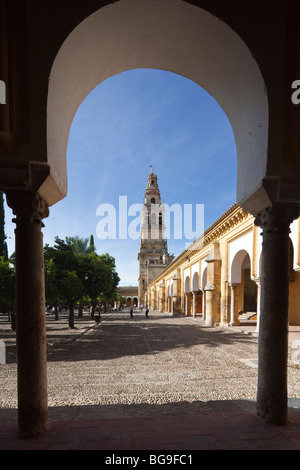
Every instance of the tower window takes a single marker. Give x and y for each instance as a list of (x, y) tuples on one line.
[(153, 200), (160, 218)]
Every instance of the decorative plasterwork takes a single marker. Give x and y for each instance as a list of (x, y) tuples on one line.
[(231, 218)]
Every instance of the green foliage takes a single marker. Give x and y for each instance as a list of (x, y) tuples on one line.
[(92, 245), (51, 282), (80, 245), (7, 288), (3, 245), (74, 272), (7, 284)]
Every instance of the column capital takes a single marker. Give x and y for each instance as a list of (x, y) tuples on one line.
[(233, 285), (277, 218), (27, 205)]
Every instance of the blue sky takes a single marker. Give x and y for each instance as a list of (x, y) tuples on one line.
[(130, 121)]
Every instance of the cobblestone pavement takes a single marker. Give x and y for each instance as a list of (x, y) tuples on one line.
[(142, 368)]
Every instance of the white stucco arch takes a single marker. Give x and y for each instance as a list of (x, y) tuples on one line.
[(172, 35), (195, 269), (187, 284), (203, 275), (238, 246), (195, 282), (237, 266)]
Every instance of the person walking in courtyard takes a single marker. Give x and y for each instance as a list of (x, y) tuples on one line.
[(131, 311), (146, 312)]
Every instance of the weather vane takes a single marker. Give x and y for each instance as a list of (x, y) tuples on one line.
[(151, 167)]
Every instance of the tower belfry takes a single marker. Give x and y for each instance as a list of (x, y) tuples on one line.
[(153, 256)]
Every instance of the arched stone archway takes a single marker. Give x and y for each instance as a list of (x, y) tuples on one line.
[(188, 296), (132, 34), (187, 284), (236, 266), (243, 289), (196, 295), (195, 282), (203, 284), (198, 45)]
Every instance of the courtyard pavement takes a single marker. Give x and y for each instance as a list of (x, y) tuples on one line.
[(158, 384)]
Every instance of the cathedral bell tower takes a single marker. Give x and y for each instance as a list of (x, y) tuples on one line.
[(153, 256)]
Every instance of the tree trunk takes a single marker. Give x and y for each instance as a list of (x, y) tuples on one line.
[(56, 311), (13, 320), (80, 309), (93, 310), (71, 316)]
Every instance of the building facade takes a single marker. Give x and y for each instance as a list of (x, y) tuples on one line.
[(219, 275), (153, 255), (130, 293)]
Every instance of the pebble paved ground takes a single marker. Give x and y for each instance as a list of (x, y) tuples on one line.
[(140, 366)]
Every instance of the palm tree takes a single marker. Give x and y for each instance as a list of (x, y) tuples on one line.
[(80, 245)]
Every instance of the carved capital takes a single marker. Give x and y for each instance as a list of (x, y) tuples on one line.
[(277, 218), (27, 205), (233, 285), (257, 280)]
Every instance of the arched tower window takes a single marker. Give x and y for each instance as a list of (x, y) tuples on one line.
[(153, 200)]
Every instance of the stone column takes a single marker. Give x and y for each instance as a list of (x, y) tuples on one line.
[(203, 303), (273, 329), (176, 294), (29, 210), (232, 304), (162, 306), (212, 288), (257, 281), (194, 304), (186, 304)]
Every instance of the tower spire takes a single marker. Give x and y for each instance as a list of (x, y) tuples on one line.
[(153, 255)]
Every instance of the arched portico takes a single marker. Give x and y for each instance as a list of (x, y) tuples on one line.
[(129, 35), (197, 295), (203, 284), (177, 36), (188, 295), (171, 296), (240, 283)]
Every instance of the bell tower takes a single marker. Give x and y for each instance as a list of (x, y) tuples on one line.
[(153, 256)]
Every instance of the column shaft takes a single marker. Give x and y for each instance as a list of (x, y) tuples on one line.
[(186, 304), (232, 304), (273, 329), (30, 315), (194, 304)]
